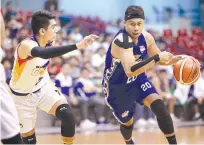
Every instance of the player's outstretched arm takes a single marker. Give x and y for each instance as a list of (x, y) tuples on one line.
[(32, 49), (132, 65), (153, 50)]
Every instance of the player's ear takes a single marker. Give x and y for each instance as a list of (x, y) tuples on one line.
[(42, 31)]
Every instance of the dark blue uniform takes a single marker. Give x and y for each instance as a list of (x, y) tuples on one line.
[(121, 92)]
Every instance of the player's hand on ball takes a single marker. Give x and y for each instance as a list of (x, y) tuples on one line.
[(88, 40), (165, 56), (186, 56), (183, 56), (197, 62)]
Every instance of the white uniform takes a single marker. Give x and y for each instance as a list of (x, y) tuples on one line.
[(32, 88), (9, 119), (199, 88)]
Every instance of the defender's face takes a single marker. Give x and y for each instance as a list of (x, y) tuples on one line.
[(134, 27), (51, 31)]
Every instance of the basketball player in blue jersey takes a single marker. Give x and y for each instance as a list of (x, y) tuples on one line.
[(31, 85), (131, 53)]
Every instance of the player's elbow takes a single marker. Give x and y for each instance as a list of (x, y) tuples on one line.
[(137, 72), (128, 74)]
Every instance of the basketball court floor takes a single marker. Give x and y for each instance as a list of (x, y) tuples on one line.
[(185, 135)]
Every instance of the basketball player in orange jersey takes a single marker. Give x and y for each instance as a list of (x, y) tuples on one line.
[(30, 83), (131, 53), (10, 130)]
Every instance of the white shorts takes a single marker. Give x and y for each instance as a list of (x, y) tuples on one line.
[(9, 117), (27, 106)]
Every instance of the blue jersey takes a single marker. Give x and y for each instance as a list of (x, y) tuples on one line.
[(122, 92), (64, 83), (79, 88), (114, 66)]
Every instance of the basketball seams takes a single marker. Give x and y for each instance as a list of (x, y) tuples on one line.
[(176, 71), (196, 77), (181, 70), (192, 68)]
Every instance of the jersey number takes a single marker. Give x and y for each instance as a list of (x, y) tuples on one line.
[(131, 79), (146, 86)]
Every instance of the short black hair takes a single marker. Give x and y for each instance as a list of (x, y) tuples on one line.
[(134, 11), (40, 19)]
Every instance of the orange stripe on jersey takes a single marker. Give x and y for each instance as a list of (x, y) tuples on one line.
[(18, 68)]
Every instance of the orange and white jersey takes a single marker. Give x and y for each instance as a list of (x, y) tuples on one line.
[(29, 75)]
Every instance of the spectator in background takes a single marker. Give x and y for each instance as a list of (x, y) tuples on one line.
[(98, 58), (8, 12), (161, 83), (75, 67), (182, 93), (199, 94), (7, 66), (55, 66), (86, 90), (51, 5), (8, 40), (142, 119), (75, 35), (107, 42), (65, 83)]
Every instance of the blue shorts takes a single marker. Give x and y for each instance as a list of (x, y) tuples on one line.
[(122, 98)]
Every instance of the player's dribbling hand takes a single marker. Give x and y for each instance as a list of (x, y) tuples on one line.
[(86, 41), (165, 56), (183, 56)]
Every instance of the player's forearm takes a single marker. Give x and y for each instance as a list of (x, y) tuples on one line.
[(46, 53), (174, 60), (142, 66)]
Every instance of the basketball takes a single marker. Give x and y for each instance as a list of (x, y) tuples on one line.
[(187, 71)]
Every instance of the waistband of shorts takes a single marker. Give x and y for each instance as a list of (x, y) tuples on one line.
[(22, 94)]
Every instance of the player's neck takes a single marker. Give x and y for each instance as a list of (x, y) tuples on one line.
[(41, 42), (135, 40)]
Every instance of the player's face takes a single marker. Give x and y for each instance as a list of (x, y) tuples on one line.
[(162, 75), (134, 27), (51, 31), (66, 69), (85, 74)]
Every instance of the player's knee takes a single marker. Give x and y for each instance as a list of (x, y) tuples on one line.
[(129, 123), (163, 116), (130, 127), (65, 114), (159, 108), (13, 140), (29, 139)]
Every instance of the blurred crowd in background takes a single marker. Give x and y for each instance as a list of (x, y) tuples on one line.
[(79, 74)]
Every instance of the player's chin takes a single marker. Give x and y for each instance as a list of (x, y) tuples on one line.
[(135, 36)]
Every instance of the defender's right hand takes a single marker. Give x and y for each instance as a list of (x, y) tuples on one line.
[(165, 57), (88, 40)]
